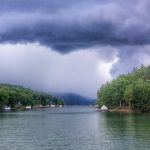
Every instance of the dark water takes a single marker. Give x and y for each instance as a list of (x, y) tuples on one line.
[(73, 128)]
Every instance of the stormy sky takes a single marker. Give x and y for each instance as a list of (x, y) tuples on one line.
[(61, 46)]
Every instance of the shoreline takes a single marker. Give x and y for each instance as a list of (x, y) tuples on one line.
[(121, 110), (24, 108)]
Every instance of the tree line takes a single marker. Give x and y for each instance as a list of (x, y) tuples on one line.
[(11, 95), (131, 90)]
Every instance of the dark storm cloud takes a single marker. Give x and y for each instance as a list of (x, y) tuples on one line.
[(68, 25), (106, 37)]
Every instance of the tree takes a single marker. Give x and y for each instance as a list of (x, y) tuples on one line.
[(12, 95), (3, 97), (132, 90)]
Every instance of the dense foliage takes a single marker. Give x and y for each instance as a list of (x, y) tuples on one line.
[(131, 90), (13, 96)]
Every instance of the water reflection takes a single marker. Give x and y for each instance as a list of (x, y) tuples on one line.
[(127, 130), (73, 128)]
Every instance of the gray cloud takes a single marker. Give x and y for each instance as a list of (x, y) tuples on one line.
[(68, 25), (40, 68), (129, 58), (82, 71)]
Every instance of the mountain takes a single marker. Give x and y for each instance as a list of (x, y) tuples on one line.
[(75, 99)]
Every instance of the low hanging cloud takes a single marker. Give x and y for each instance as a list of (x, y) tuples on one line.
[(82, 71), (39, 68), (70, 25)]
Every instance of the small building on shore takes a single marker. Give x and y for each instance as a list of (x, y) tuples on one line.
[(104, 108)]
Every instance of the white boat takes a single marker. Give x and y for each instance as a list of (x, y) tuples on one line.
[(53, 106), (28, 107), (97, 109), (6, 108)]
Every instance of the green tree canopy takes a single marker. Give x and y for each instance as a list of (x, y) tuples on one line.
[(12, 95), (131, 90)]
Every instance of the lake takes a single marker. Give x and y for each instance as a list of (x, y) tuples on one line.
[(73, 128)]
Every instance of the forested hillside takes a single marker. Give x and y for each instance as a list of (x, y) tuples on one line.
[(71, 99), (131, 90), (12, 95)]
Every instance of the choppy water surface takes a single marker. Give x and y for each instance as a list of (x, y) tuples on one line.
[(73, 128)]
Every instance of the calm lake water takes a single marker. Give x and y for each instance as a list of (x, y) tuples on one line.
[(73, 128)]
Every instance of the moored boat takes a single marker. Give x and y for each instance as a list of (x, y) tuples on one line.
[(7, 108), (28, 107)]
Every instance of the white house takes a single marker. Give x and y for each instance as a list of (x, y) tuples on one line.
[(104, 108)]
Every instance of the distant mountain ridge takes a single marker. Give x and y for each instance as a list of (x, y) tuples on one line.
[(75, 99)]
